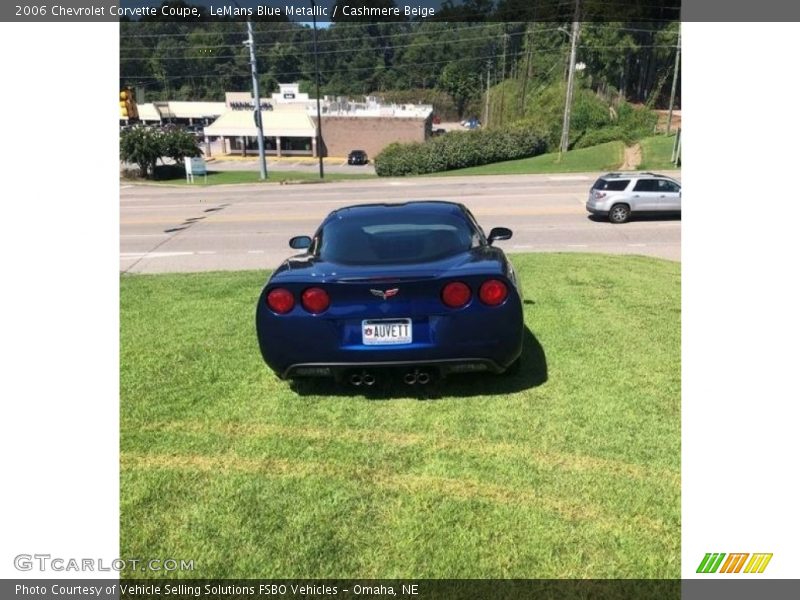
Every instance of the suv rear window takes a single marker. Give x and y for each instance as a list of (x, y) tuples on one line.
[(612, 185)]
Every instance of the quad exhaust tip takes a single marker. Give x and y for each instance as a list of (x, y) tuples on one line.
[(417, 376), (364, 378)]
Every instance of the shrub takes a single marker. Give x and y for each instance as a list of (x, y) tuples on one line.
[(457, 150), (601, 136), (144, 146)]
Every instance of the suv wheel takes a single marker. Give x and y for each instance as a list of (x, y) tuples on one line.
[(619, 213)]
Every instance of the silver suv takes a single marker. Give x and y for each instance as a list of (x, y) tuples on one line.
[(619, 195)]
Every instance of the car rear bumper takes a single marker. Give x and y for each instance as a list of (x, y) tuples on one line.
[(596, 211), (439, 368), (598, 207)]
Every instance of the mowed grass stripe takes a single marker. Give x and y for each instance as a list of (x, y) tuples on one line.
[(612, 493), (465, 489), (569, 469), (289, 526), (439, 443)]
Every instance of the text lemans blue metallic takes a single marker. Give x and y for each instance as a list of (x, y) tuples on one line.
[(416, 289)]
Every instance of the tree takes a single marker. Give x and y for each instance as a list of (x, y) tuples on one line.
[(141, 146), (177, 144), (144, 146), (462, 82)]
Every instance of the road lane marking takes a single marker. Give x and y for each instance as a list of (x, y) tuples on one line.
[(133, 235), (133, 255), (267, 218), (255, 252)]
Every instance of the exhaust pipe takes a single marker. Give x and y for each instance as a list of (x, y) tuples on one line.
[(424, 378), (356, 379), (368, 379), (410, 378)]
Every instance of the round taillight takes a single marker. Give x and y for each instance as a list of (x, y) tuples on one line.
[(315, 300), (493, 292), (456, 294), (280, 300)]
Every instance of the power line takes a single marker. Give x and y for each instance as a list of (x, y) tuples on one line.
[(343, 70), (333, 39), (296, 43), (343, 50), (378, 49)]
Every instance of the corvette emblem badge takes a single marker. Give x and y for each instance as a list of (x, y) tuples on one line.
[(385, 294)]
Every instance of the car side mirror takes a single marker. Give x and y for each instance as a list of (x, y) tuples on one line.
[(300, 242), (499, 233)]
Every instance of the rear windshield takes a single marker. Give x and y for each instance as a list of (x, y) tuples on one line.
[(612, 185), (393, 237)]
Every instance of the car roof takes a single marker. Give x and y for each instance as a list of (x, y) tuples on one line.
[(401, 208), (638, 175)]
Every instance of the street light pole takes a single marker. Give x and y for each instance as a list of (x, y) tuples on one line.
[(316, 69), (570, 79), (256, 100)]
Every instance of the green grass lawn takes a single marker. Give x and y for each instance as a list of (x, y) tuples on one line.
[(602, 157), (657, 152), (222, 177), (569, 469)]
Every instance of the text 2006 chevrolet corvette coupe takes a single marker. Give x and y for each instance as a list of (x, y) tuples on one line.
[(415, 289)]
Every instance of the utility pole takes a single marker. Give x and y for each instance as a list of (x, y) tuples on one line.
[(319, 113), (488, 83), (503, 79), (674, 80), (256, 100), (527, 69), (570, 78)]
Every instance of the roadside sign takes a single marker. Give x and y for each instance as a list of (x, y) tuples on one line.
[(195, 166)]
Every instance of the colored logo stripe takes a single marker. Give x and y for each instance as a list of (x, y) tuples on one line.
[(734, 563), (758, 563), (710, 563)]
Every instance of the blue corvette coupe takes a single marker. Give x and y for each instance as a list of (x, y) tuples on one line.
[(416, 289)]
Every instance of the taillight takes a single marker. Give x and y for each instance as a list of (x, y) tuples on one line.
[(493, 292), (280, 300), (456, 294), (315, 300)]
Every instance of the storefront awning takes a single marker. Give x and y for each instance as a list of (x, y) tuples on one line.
[(277, 123)]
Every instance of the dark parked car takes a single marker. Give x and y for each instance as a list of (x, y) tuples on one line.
[(413, 289), (357, 157)]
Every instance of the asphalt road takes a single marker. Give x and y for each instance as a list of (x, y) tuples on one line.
[(183, 229)]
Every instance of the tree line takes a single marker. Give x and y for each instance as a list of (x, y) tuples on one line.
[(447, 63)]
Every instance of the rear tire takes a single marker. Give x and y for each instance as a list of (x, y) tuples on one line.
[(619, 213)]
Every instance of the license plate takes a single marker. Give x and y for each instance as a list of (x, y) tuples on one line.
[(386, 331)]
